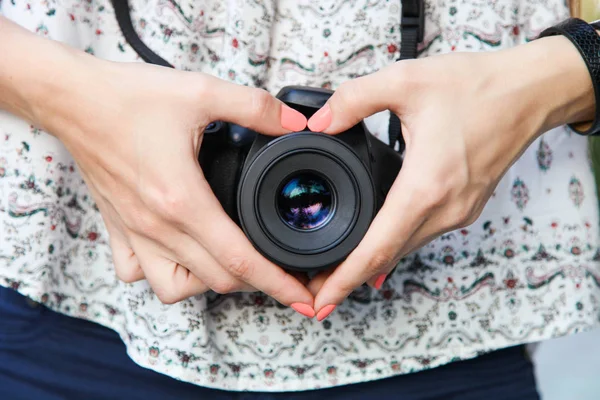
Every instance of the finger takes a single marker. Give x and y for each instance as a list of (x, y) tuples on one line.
[(242, 261), (196, 258), (127, 266), (170, 281), (237, 256), (316, 283), (379, 249), (301, 277), (434, 226), (439, 223), (253, 108), (359, 98), (226, 243), (377, 281)]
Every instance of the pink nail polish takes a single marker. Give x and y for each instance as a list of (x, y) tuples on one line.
[(320, 120), (325, 311), (291, 119), (379, 281), (303, 309)]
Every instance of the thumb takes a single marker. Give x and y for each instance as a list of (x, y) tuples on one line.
[(359, 98), (252, 108)]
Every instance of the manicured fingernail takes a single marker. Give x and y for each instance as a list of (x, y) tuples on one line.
[(379, 281), (320, 120), (304, 309), (325, 311), (291, 119)]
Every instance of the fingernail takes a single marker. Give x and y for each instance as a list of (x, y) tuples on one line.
[(320, 120), (291, 119), (304, 309), (325, 311), (379, 281)]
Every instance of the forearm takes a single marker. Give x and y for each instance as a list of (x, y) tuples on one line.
[(551, 79), (38, 77)]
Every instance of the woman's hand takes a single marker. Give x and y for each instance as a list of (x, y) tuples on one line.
[(136, 138), (135, 131), (465, 119)]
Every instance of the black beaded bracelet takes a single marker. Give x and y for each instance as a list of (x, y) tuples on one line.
[(587, 41)]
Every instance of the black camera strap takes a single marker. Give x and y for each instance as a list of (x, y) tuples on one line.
[(412, 28), (131, 37)]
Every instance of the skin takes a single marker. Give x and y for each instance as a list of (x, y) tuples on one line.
[(135, 131), (466, 118)]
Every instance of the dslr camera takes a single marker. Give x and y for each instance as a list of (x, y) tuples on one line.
[(304, 200)]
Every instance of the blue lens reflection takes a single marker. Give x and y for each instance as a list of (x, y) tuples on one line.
[(305, 202)]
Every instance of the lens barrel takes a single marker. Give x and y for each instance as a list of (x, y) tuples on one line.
[(306, 200)]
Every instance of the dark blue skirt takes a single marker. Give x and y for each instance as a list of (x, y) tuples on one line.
[(49, 356)]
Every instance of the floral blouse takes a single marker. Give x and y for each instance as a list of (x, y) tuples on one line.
[(527, 270)]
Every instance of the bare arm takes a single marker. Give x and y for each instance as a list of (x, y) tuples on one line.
[(35, 71), (467, 117), (135, 131)]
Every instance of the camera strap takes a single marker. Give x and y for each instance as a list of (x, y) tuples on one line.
[(131, 37), (411, 29)]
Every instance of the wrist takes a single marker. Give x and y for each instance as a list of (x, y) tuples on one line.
[(58, 100), (551, 81), (41, 80)]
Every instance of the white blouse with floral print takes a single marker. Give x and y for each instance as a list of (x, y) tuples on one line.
[(527, 270)]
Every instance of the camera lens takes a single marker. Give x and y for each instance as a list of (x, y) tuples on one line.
[(305, 201)]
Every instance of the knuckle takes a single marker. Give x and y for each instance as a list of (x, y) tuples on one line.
[(344, 287), (146, 224), (441, 192), (173, 204), (470, 220), (261, 102), (380, 261), (347, 95), (203, 90), (470, 216), (225, 286), (463, 215), (127, 274), (400, 75), (431, 195), (279, 291), (167, 295), (170, 204), (240, 267)]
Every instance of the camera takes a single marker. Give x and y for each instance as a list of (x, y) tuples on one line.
[(306, 199)]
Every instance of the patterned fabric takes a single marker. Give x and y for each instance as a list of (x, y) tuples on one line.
[(527, 270)]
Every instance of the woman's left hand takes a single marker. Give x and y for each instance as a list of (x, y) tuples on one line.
[(466, 118)]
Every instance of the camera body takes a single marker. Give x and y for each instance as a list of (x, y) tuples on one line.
[(304, 200)]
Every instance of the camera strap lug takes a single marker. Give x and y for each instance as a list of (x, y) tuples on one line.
[(412, 30)]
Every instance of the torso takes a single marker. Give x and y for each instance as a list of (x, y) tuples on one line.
[(527, 270)]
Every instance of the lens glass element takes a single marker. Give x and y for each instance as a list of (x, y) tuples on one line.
[(305, 201)]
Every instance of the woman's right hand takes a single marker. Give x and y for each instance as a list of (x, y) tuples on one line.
[(135, 131)]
